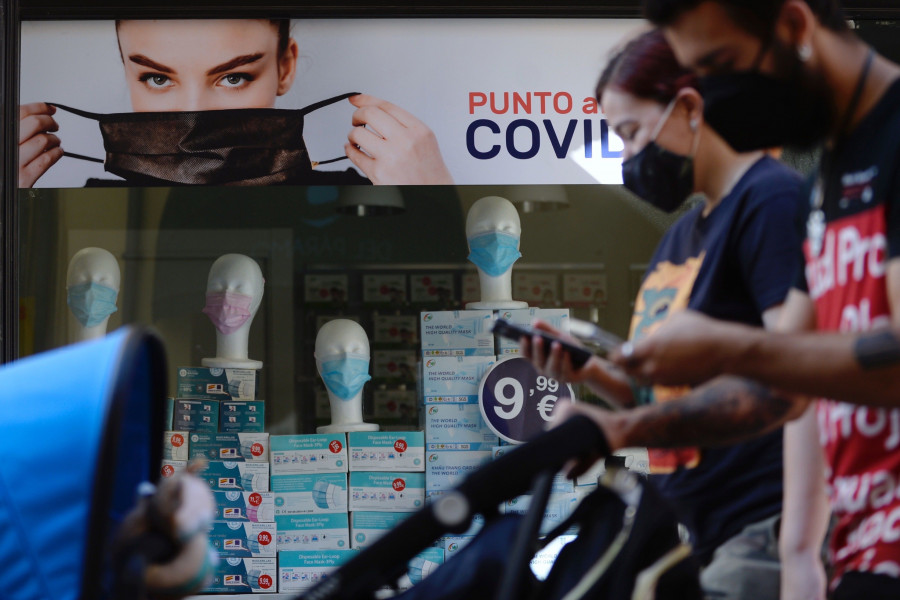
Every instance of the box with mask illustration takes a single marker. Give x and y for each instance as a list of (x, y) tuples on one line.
[(556, 317), (450, 545), (444, 470), (313, 532), (326, 288), (242, 540), (561, 483), (559, 506), (254, 507), (455, 379), (242, 417), (386, 450), (388, 492), (214, 383), (170, 467), (309, 453), (432, 289), (394, 405), (394, 366), (457, 427), (387, 288), (457, 333), (170, 413), (244, 576), (229, 476), (310, 493), (239, 447), (196, 415), (395, 330), (368, 526), (421, 566), (175, 445), (301, 570)]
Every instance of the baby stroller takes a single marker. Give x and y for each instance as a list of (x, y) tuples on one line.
[(626, 545), (82, 428)]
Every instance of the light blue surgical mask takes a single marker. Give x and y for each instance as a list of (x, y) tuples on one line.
[(253, 576), (494, 252), (91, 302), (420, 568), (325, 494), (345, 374)]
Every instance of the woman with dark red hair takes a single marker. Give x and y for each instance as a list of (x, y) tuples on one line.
[(733, 255)]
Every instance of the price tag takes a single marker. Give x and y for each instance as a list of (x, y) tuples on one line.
[(517, 402)]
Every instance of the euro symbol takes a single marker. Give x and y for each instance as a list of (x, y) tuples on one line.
[(545, 406)]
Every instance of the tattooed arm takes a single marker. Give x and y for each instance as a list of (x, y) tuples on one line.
[(723, 411)]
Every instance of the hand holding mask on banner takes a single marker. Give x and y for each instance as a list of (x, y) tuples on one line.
[(393, 147), (342, 359), (234, 291), (39, 149), (493, 231), (92, 286), (203, 94)]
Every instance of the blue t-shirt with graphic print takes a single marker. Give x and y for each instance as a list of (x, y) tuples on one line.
[(732, 264)]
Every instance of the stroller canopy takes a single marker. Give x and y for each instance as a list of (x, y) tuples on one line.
[(82, 427)]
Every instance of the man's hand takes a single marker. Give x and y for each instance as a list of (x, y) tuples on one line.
[(553, 361), (688, 349)]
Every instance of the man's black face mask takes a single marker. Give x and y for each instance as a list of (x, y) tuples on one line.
[(753, 110), (247, 146)]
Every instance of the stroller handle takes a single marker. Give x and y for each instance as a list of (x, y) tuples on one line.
[(482, 491)]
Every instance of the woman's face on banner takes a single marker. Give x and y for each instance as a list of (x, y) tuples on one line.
[(204, 64)]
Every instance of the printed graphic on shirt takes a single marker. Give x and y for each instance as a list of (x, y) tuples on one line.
[(861, 445), (665, 291), (846, 280)]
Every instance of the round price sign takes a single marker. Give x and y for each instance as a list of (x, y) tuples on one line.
[(517, 402)]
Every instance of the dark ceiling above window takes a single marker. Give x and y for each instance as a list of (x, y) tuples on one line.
[(66, 9)]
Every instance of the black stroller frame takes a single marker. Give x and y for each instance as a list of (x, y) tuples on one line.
[(530, 467)]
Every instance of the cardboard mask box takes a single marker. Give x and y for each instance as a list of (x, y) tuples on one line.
[(310, 453), (213, 383)]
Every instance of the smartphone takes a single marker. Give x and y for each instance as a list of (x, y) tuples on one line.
[(577, 354)]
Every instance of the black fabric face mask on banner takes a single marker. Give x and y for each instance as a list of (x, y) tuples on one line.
[(245, 146)]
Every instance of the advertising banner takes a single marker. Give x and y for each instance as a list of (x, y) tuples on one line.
[(262, 102)]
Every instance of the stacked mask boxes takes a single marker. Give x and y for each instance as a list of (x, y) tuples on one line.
[(244, 530), (387, 481), (457, 352), (309, 482), (216, 417)]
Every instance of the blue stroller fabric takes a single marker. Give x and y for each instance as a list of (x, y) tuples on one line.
[(82, 428)]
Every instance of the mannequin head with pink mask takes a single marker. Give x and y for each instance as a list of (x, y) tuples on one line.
[(234, 291)]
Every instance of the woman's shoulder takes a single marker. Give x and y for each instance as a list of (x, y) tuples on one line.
[(772, 186)]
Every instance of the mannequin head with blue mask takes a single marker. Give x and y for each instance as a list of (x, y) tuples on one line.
[(234, 292), (92, 288), (493, 231), (342, 360)]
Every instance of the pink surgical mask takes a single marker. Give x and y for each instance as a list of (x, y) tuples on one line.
[(227, 310)]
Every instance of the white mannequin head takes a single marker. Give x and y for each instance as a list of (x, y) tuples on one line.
[(342, 360), (494, 215), (241, 279), (91, 266)]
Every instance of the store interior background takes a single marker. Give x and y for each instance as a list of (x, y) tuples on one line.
[(166, 239)]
